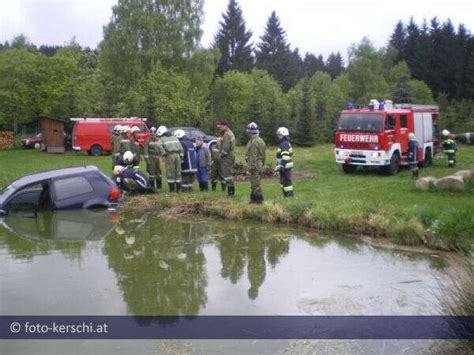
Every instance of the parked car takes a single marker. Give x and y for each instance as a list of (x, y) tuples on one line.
[(32, 142), (193, 133), (80, 187), (93, 134)]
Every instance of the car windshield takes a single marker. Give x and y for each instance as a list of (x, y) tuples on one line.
[(361, 122)]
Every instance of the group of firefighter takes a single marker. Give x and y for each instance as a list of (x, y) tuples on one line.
[(449, 149), (186, 159)]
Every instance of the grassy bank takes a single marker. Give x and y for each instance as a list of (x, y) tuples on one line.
[(362, 203)]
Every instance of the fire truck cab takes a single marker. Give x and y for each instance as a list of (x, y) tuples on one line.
[(377, 136)]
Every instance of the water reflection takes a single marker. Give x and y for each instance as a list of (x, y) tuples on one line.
[(159, 265)]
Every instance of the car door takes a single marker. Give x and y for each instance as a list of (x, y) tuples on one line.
[(71, 191), (31, 198)]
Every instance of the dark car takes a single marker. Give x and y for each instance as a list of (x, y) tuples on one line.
[(80, 187), (193, 133), (32, 142)]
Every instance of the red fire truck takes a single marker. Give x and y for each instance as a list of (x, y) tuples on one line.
[(377, 136), (93, 134)]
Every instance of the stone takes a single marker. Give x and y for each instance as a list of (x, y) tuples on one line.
[(451, 182), (424, 183)]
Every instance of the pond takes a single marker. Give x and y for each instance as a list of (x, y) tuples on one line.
[(116, 263)]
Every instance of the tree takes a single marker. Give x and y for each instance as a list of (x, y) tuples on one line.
[(398, 40), (335, 65), (323, 107), (401, 93), (313, 64), (274, 55), (420, 92), (232, 40), (304, 135), (142, 32)]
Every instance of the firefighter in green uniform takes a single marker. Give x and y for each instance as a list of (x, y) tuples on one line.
[(255, 158), (449, 147), (172, 151), (125, 144), (115, 145), (151, 153), (226, 155), (215, 174), (135, 145)]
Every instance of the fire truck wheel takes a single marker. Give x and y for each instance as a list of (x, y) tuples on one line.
[(348, 169), (394, 166), (428, 158)]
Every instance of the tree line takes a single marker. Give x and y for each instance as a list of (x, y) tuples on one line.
[(150, 64)]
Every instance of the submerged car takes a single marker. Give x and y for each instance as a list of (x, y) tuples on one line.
[(79, 187)]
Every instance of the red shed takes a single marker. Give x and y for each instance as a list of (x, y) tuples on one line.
[(52, 131)]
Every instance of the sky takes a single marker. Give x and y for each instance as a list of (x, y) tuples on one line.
[(315, 26)]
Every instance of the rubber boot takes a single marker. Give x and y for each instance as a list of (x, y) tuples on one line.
[(178, 187), (159, 183), (205, 186), (230, 191), (171, 186), (252, 197), (152, 185), (258, 198), (289, 194), (213, 186), (223, 186)]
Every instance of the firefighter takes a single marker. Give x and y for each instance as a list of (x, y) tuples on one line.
[(449, 147), (215, 173), (172, 151), (413, 155), (115, 144), (226, 156), (125, 144), (135, 145), (188, 162), (151, 153), (203, 162), (255, 158), (131, 180), (284, 159)]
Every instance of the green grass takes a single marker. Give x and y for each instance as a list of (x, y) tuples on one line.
[(365, 202)]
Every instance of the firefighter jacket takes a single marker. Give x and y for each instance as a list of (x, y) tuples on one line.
[(136, 149), (125, 145), (449, 146), (188, 163), (227, 145), (413, 152), (133, 180), (115, 144), (169, 144), (255, 156), (152, 148), (284, 155)]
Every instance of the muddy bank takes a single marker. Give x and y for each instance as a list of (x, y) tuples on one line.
[(410, 232)]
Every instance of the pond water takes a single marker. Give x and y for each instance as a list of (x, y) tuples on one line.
[(117, 263)]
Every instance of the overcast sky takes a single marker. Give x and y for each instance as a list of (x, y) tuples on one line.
[(316, 26)]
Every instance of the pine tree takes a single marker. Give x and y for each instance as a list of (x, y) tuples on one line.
[(335, 65), (409, 52), (232, 40), (274, 54), (304, 126), (313, 64), (398, 40), (401, 94)]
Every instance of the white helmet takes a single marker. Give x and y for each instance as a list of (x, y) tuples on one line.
[(411, 136), (153, 130), (117, 128), (179, 133), (283, 131), (445, 132), (118, 169), (134, 129), (128, 157), (161, 130), (125, 129)]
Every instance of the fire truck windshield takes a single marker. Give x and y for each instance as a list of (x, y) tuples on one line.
[(361, 122)]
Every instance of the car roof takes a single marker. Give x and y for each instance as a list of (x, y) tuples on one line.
[(31, 179)]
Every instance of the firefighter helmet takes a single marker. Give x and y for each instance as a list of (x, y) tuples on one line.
[(179, 133), (445, 133), (128, 157), (283, 131), (134, 129), (118, 169), (117, 128), (153, 130), (252, 128), (161, 130), (411, 136), (125, 129)]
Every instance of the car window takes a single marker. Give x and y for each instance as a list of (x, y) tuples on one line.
[(30, 198), (72, 186)]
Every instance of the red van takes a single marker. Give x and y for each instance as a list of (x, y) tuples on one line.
[(93, 134)]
